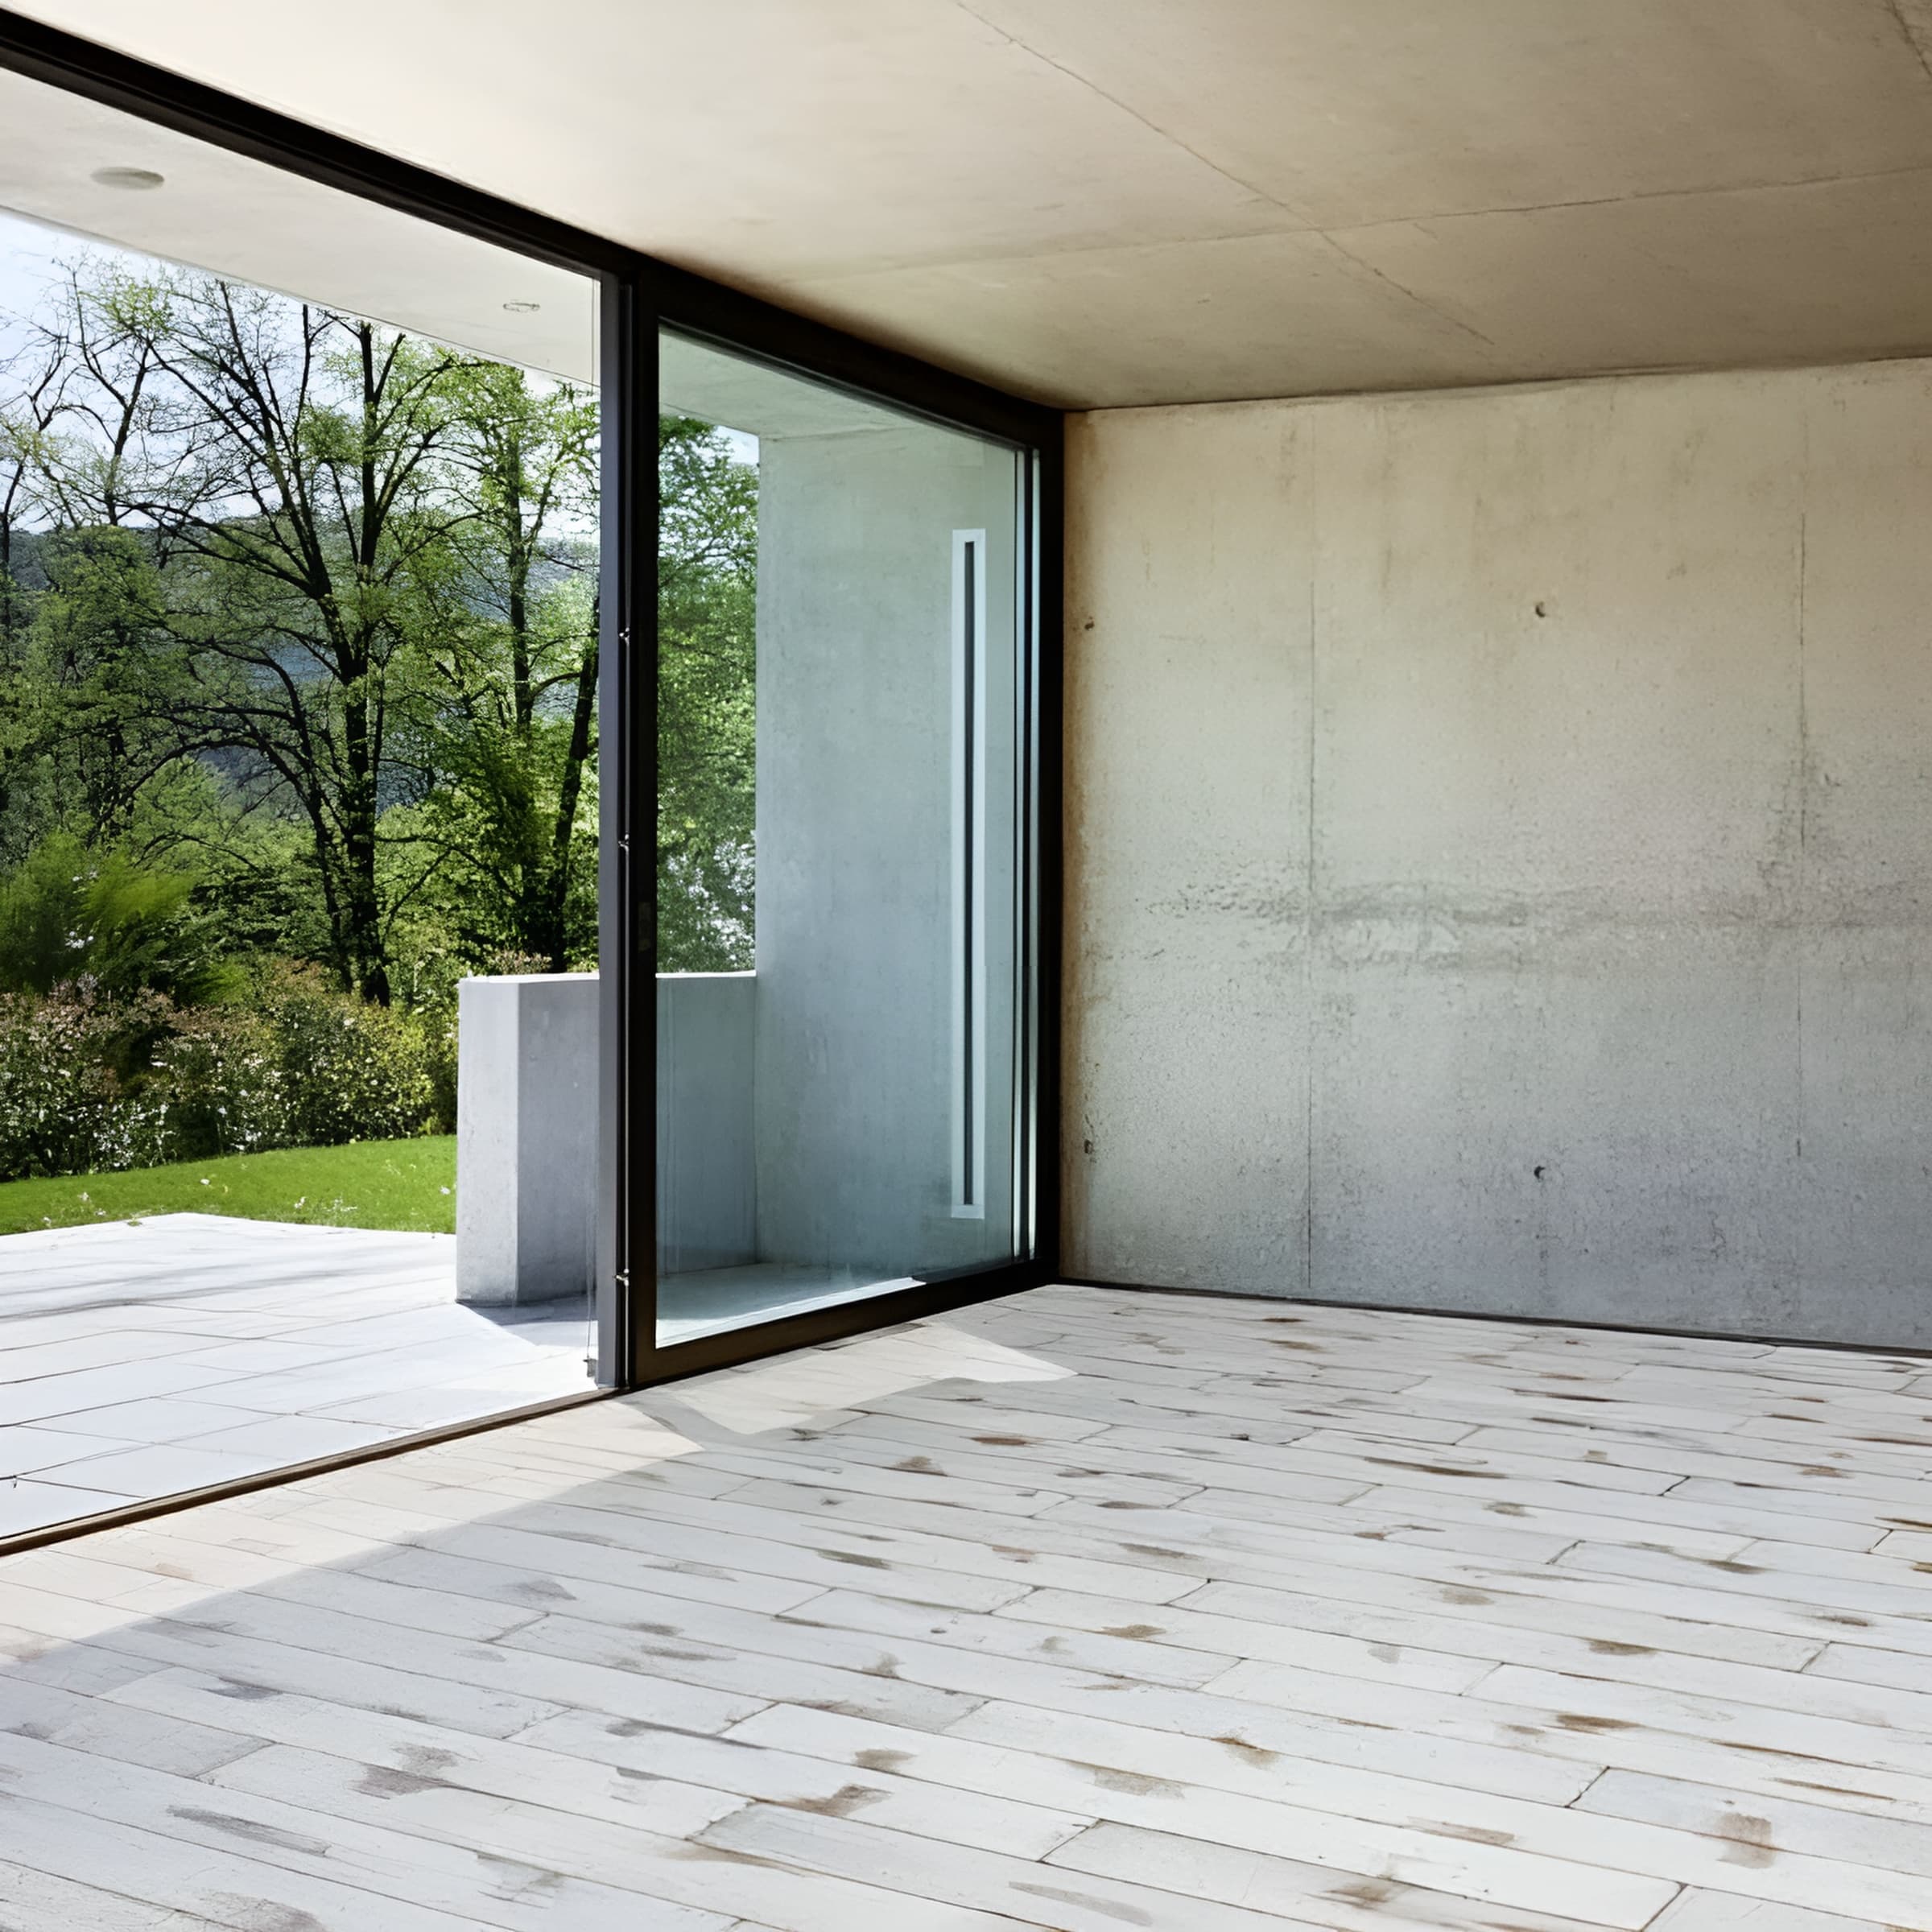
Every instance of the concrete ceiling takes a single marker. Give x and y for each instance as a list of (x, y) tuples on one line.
[(1102, 202)]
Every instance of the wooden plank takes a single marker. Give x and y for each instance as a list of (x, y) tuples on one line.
[(1301, 1893), (1081, 1610)]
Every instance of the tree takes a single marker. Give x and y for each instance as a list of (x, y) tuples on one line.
[(516, 653), (707, 696), (286, 464), (313, 624), (33, 384), (68, 914), (33, 377)]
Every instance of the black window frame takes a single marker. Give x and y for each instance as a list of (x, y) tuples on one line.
[(639, 296)]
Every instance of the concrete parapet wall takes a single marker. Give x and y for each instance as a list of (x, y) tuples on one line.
[(526, 1138), (527, 1131)]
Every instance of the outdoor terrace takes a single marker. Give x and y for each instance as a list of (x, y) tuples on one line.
[(138, 1359)]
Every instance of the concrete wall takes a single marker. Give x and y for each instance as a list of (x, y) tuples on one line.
[(1500, 851), (527, 1130), (855, 949), (526, 1138)]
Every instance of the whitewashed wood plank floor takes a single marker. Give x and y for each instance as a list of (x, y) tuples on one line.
[(139, 1359), (1085, 1610)]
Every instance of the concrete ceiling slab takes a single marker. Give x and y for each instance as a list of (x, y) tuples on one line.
[(1236, 316), (1838, 271), (1355, 111), (1098, 202)]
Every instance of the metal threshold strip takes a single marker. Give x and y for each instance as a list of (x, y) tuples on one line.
[(288, 1472)]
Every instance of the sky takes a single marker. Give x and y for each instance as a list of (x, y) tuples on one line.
[(27, 251), (28, 255)]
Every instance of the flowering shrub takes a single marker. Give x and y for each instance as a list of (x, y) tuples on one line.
[(90, 1082), (64, 1089), (214, 1086), (348, 1070)]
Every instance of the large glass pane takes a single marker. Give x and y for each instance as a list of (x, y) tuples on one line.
[(839, 854), (297, 804)]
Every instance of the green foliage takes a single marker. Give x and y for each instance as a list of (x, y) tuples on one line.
[(706, 678), (69, 915), (93, 676), (346, 578), (91, 1083), (65, 1084), (215, 1082), (350, 1071), (298, 674)]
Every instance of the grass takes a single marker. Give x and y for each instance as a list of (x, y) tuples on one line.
[(409, 1185)]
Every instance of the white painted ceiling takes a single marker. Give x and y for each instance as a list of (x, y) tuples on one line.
[(1102, 202), (216, 210), (695, 379)]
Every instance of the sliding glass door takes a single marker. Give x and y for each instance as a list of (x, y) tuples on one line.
[(300, 544), (844, 978), (357, 1080)]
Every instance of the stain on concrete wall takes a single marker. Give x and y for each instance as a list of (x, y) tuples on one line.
[(1500, 850)]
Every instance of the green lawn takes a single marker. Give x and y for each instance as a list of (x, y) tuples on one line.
[(403, 1184)]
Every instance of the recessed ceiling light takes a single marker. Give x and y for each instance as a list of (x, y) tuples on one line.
[(523, 308), (136, 178)]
